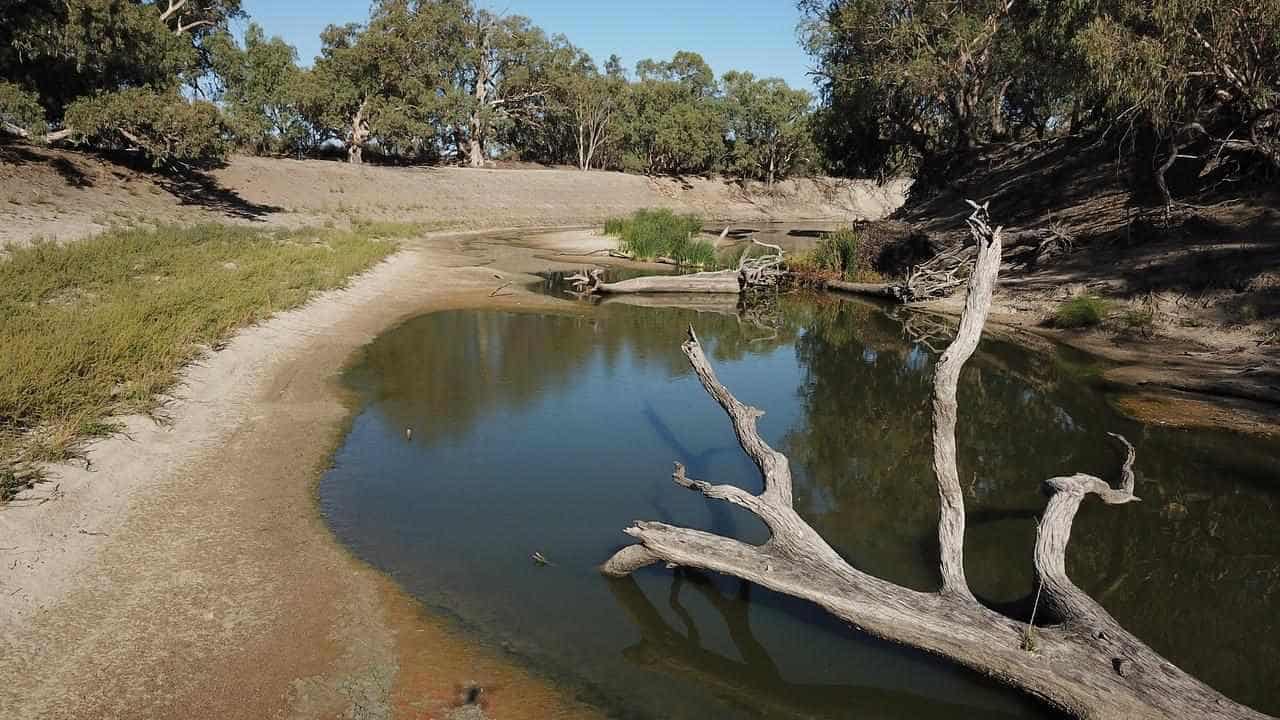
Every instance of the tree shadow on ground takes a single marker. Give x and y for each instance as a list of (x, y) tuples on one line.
[(197, 188), (19, 155)]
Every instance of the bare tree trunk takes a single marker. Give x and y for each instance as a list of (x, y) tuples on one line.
[(48, 138), (359, 134), (719, 281), (999, 128), (475, 147), (478, 124), (1086, 664)]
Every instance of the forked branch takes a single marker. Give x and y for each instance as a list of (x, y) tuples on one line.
[(1086, 664)]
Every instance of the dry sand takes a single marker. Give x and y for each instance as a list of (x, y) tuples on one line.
[(64, 195), (187, 572)]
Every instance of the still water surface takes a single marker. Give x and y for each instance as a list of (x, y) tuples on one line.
[(551, 433)]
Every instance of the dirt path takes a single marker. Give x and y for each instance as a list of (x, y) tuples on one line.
[(188, 572)]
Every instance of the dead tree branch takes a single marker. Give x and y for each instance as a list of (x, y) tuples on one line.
[(1086, 664), (761, 271)]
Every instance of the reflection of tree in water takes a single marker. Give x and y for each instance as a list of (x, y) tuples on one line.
[(1194, 569), (1200, 552), (438, 373), (755, 683)]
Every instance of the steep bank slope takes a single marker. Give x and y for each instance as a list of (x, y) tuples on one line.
[(1192, 293), (62, 194)]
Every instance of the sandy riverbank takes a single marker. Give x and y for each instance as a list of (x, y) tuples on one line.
[(187, 571), (188, 567)]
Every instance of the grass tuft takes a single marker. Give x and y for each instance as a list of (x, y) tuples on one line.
[(836, 256), (1141, 320), (101, 327), (1081, 311), (658, 233)]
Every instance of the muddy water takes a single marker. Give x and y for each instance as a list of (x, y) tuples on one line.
[(543, 433)]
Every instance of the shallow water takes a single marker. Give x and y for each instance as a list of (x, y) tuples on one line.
[(551, 433)]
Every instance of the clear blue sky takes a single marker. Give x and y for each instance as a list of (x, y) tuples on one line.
[(755, 35)]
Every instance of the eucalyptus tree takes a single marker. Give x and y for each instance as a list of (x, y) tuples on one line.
[(674, 121), (1192, 72), (60, 54), (919, 74), (769, 124), (258, 81), (503, 80), (383, 82), (591, 103)]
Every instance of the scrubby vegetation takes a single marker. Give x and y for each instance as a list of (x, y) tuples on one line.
[(660, 233), (839, 255), (101, 327), (912, 86), (1181, 87), (1081, 311)]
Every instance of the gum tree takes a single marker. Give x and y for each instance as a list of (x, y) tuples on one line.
[(769, 123)]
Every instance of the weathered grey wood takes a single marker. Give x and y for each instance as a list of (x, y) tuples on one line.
[(884, 290), (946, 378), (1087, 664), (721, 281)]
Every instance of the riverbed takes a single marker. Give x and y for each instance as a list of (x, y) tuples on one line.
[(483, 437)]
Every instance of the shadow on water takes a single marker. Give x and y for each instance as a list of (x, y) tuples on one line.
[(552, 433)]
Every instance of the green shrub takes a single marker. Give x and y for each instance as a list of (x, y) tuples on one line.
[(165, 126), (651, 234), (615, 226), (693, 253), (21, 108), (836, 254), (1081, 311), (1141, 320)]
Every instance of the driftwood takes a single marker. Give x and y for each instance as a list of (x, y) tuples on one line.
[(1083, 663), (939, 275), (720, 281), (761, 271), (881, 290)]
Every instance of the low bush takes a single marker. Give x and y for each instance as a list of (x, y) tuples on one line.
[(166, 127), (1141, 320), (838, 255), (1081, 311), (21, 109)]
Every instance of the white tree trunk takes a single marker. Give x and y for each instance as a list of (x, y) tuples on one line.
[(1086, 664), (359, 134)]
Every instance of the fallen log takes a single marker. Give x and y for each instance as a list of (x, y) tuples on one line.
[(1083, 663), (752, 273), (883, 290), (720, 281)]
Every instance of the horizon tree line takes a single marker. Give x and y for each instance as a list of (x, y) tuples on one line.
[(1187, 91), (421, 81)]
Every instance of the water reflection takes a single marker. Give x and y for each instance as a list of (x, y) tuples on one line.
[(551, 433)]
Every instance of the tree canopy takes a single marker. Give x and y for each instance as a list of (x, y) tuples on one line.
[(908, 85), (420, 80), (121, 65)]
